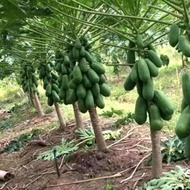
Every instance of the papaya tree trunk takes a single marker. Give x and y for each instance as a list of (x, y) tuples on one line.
[(60, 116), (31, 100), (101, 144), (38, 105), (156, 154), (78, 117)]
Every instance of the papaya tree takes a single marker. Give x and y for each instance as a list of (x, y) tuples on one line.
[(179, 38), (50, 85), (82, 77), (66, 94), (29, 85), (140, 26)]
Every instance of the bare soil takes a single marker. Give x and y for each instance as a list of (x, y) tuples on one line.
[(84, 169)]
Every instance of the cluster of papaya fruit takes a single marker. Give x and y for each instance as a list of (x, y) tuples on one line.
[(85, 81), (182, 128), (28, 79), (150, 101), (62, 66), (50, 83), (159, 108), (178, 40)]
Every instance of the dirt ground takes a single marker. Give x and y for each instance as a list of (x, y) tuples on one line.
[(85, 169)]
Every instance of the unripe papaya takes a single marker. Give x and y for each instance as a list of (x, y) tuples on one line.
[(173, 34), (48, 89), (86, 82), (95, 89), (66, 60), (148, 90), (134, 73), (186, 86), (82, 51), (81, 91), (131, 54), (76, 53), (63, 69), (102, 79), (184, 45), (55, 96), (92, 76), (154, 58), (58, 67), (165, 117), (139, 41), (72, 84), (99, 101), (65, 82), (156, 122), (151, 47), (78, 43), (129, 84), (164, 104), (98, 68), (143, 70), (83, 64), (140, 110), (62, 94), (81, 105), (88, 57), (182, 128), (50, 101), (55, 88), (152, 68), (105, 90), (89, 100), (184, 104), (77, 75), (139, 87)]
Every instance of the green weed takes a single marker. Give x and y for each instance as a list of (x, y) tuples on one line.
[(109, 186), (124, 120), (113, 112), (178, 178), (87, 135), (20, 141), (64, 148), (8, 124), (172, 150)]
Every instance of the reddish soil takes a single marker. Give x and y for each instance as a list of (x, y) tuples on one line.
[(85, 169)]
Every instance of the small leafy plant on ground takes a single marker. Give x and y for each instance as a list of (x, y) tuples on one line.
[(64, 148), (20, 141), (177, 179), (7, 124), (85, 137), (173, 150), (124, 120), (109, 186), (113, 112)]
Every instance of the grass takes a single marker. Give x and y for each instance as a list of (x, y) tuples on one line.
[(168, 81)]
